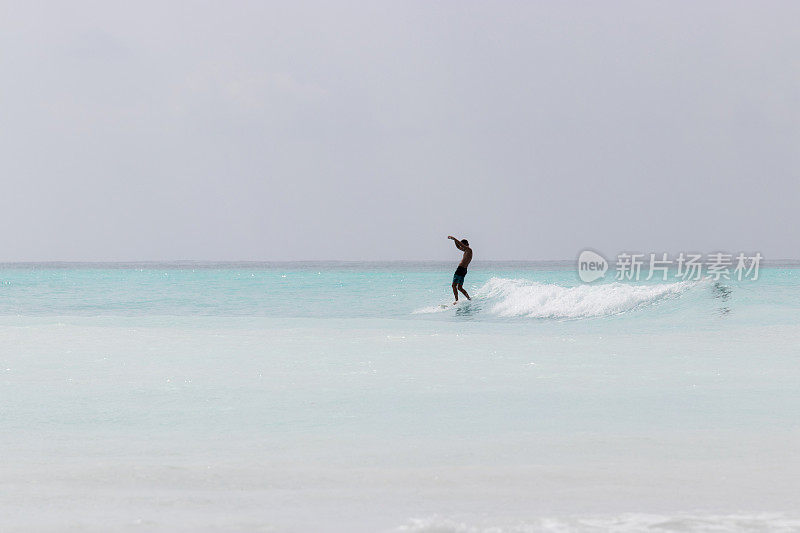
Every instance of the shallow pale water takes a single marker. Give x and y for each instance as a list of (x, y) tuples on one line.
[(354, 397)]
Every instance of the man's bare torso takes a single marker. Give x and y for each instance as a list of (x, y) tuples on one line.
[(466, 258)]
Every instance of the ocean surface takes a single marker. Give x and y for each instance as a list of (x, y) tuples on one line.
[(355, 397)]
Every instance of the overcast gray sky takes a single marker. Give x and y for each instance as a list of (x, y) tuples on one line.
[(372, 130)]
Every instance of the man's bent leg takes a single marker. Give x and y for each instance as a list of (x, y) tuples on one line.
[(463, 291), (455, 293)]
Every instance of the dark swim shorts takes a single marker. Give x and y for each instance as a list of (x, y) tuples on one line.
[(458, 277)]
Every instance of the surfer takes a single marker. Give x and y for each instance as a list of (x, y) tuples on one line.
[(461, 271)]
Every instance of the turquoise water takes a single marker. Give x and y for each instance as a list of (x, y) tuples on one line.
[(357, 290), (355, 397)]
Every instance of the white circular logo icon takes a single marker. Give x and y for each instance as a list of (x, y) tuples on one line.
[(591, 266)]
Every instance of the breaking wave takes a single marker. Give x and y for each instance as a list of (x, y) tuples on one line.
[(513, 297), (524, 298), (630, 522)]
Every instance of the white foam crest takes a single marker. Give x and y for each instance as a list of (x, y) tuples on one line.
[(514, 297), (629, 522)]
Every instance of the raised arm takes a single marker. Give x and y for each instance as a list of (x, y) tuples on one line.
[(457, 243)]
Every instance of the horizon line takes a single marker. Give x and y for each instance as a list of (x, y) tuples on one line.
[(765, 261)]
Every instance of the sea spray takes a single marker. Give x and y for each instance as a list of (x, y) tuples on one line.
[(524, 298)]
